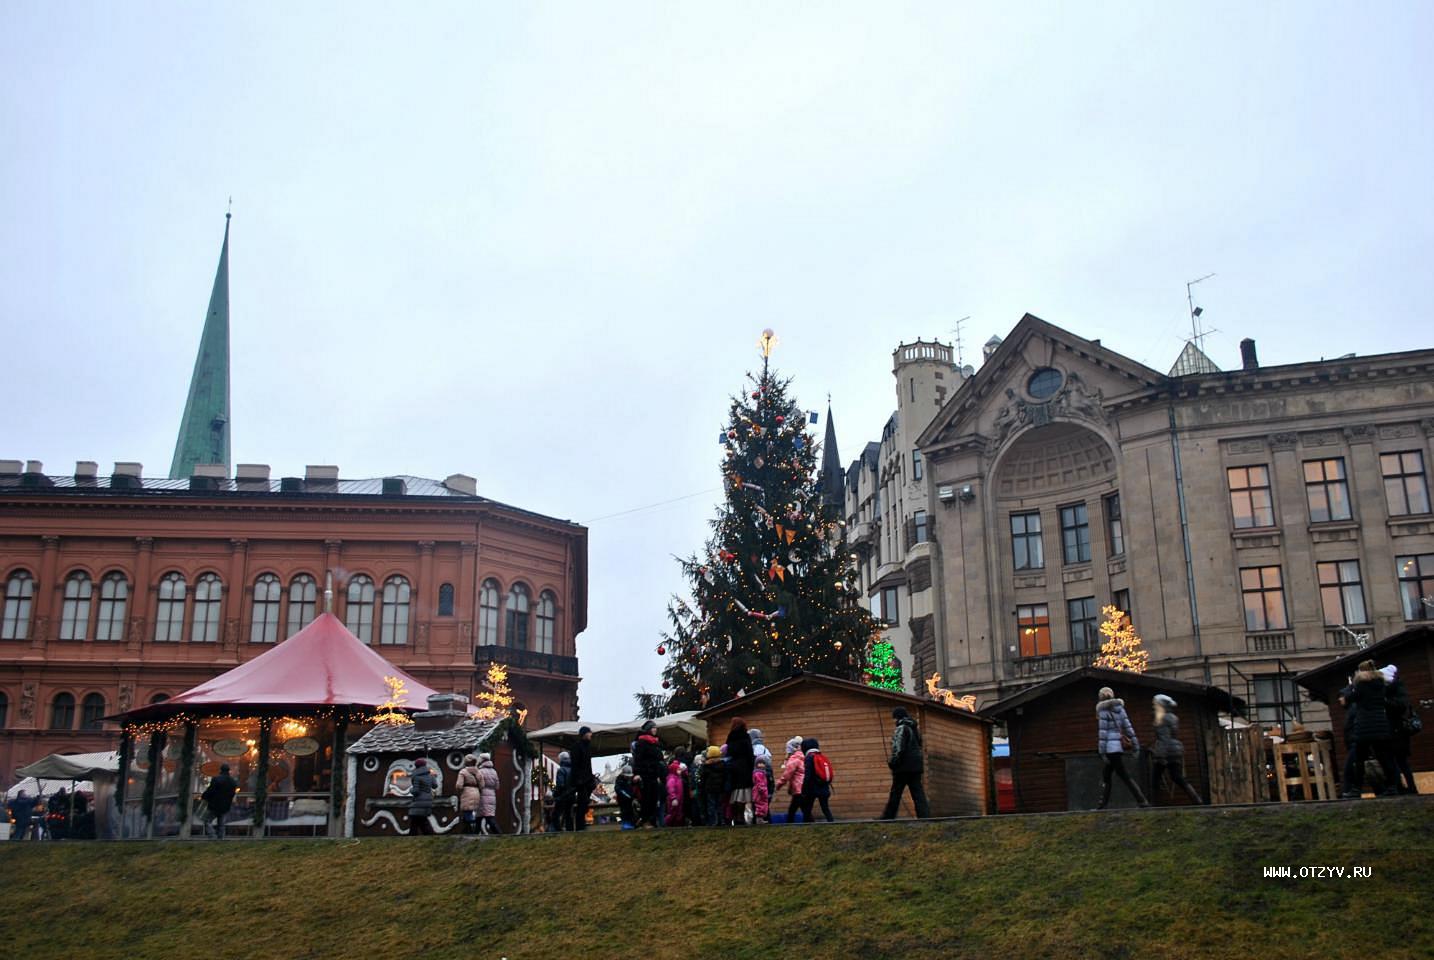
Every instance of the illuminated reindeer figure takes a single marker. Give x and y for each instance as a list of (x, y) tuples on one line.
[(942, 695)]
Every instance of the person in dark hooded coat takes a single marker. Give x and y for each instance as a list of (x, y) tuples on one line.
[(906, 763), (1372, 734), (583, 779), (420, 804)]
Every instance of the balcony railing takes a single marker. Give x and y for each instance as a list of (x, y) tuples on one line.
[(526, 660), (1025, 668), (1342, 639), (1269, 642)]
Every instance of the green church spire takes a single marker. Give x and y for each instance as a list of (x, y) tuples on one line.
[(204, 431)]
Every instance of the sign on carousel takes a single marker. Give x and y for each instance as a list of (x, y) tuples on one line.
[(231, 748), (301, 746)]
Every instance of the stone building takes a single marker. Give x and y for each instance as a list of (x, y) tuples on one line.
[(1254, 523), (887, 510), (119, 590)]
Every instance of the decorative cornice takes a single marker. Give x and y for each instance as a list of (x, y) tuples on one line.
[(1283, 441)]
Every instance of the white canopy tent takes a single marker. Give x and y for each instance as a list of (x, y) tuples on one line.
[(92, 773), (673, 730)]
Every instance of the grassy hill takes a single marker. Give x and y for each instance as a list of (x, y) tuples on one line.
[(1169, 884)]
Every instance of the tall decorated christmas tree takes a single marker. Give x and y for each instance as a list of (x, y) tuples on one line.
[(774, 593)]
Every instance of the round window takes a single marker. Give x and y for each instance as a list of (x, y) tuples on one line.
[(1044, 383)]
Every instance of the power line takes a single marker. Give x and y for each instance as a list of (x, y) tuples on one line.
[(653, 506)]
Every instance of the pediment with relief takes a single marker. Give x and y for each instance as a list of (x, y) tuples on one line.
[(1040, 375)]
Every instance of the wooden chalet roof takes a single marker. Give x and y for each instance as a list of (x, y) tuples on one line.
[(1118, 679), (1331, 676), (844, 686)]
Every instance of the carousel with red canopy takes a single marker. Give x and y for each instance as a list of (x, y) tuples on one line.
[(280, 723)]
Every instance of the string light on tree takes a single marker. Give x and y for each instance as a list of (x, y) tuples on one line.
[(882, 670), (390, 711), (1122, 649), (495, 698)]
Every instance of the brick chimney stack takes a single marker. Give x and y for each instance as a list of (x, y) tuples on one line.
[(1248, 359)]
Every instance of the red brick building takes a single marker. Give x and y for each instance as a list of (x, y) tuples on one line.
[(119, 590)]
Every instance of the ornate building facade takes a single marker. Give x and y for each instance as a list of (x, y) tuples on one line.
[(117, 590), (1254, 523)]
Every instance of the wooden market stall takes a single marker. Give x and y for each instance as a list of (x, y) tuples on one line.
[(1051, 728), (1412, 651), (282, 723), (853, 723)]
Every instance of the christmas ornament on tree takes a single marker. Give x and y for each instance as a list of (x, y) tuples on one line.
[(769, 595), (1122, 649)]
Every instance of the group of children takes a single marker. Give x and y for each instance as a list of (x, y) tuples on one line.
[(699, 791)]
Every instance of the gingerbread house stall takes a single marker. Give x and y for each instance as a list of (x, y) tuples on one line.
[(382, 761)]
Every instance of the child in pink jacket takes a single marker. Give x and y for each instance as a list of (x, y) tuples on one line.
[(761, 795), (676, 793), (793, 772)]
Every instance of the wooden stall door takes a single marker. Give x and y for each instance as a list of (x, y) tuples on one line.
[(1237, 760)]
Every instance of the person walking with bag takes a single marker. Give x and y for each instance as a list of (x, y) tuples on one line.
[(1115, 735), (1169, 752), (816, 780), (907, 764)]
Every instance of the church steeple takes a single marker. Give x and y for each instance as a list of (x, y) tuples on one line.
[(833, 477), (204, 431)]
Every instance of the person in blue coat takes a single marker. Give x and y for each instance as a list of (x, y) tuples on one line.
[(1113, 732)]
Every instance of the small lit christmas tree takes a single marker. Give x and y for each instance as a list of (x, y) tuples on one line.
[(495, 698), (1122, 648), (882, 669), (391, 710)]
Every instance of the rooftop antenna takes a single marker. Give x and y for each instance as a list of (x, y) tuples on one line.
[(1197, 335), (960, 360)]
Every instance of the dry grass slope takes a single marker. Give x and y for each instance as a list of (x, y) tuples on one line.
[(1169, 884)]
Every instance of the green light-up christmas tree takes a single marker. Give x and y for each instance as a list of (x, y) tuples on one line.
[(882, 670), (774, 592)]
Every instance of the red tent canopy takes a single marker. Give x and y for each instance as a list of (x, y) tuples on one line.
[(321, 665)]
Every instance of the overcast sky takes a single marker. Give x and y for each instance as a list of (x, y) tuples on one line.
[(536, 242)]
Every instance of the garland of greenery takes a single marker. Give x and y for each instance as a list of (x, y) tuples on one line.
[(186, 773), (509, 728), (261, 785), (338, 792), (156, 749), (126, 746)]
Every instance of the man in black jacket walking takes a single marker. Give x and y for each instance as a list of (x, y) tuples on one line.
[(583, 779), (218, 798), (906, 765)]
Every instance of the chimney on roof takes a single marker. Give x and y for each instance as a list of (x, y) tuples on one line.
[(1248, 359), (462, 483), (445, 711), (252, 477), (10, 468), (86, 470), (34, 466), (207, 476), (126, 475), (35, 475), (321, 477), (394, 487)]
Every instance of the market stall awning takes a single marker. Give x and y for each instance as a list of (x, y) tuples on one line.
[(321, 665), (674, 730), (74, 766)]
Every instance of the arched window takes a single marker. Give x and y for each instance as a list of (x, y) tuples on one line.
[(303, 597), (547, 621), (62, 712), (488, 614), (4, 709), (75, 615), (92, 711), (208, 602), (516, 632), (267, 591), (19, 598), (358, 614), (114, 597), (445, 600), (169, 621), (394, 629), (159, 698)]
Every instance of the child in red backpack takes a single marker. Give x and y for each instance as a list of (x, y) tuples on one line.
[(816, 780)]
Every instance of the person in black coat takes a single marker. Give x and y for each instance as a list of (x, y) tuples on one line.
[(740, 762), (647, 764), (583, 779), (906, 763), (218, 798), (1347, 778), (1397, 704), (814, 788), (420, 805), (1372, 735)]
